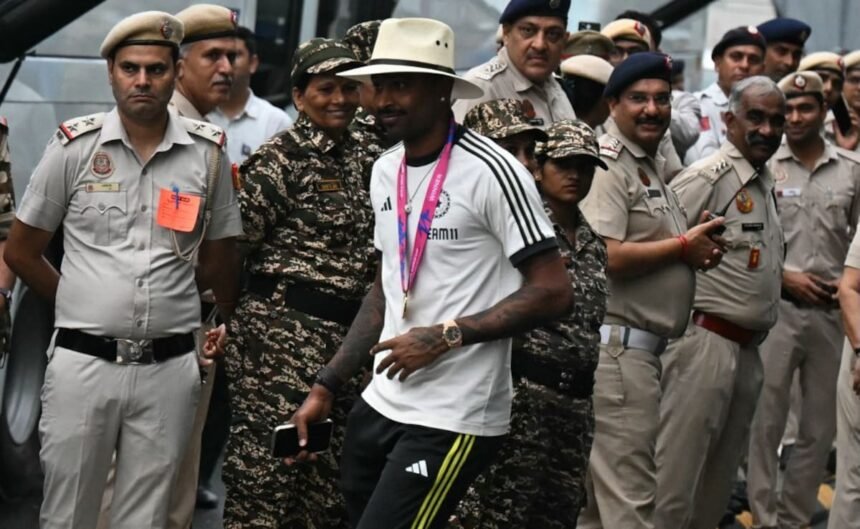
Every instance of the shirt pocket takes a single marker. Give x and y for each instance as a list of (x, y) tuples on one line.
[(838, 210), (105, 217)]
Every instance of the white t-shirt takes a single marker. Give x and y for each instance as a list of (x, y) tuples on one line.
[(489, 219)]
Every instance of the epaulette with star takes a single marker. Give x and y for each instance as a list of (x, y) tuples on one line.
[(491, 69), (205, 130), (77, 127), (718, 169), (610, 147)]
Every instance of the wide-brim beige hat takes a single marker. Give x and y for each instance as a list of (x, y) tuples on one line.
[(415, 45)]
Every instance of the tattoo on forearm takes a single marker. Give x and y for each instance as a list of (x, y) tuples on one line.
[(519, 312), (363, 334)]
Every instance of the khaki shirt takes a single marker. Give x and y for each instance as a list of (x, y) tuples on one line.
[(183, 107), (630, 202), (500, 79), (120, 276), (7, 193), (818, 210), (745, 287)]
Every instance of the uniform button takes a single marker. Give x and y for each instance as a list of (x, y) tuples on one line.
[(140, 282), (143, 172), (143, 208), (141, 246), (101, 205), (139, 323)]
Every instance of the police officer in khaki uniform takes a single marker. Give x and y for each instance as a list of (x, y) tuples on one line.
[(7, 214), (712, 374), (831, 68), (846, 504), (589, 42), (584, 78), (851, 88), (207, 53), (650, 250), (818, 193), (535, 36), (138, 192)]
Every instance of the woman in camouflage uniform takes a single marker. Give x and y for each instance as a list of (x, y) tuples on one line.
[(308, 227), (538, 480)]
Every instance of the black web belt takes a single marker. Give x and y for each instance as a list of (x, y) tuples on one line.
[(308, 300), (121, 350), (575, 383)]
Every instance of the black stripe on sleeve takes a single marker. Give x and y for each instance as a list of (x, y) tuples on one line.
[(514, 193)]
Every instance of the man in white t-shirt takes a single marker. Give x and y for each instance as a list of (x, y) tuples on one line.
[(439, 403), (247, 119)]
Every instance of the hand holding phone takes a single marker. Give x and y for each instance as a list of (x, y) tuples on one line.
[(285, 439)]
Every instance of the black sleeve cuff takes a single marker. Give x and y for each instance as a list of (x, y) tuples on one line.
[(530, 251)]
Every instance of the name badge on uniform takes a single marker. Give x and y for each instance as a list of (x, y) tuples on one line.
[(246, 149), (105, 187), (328, 186), (654, 193), (788, 192), (752, 226)]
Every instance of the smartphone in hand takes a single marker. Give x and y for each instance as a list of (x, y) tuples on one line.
[(285, 439), (842, 115)]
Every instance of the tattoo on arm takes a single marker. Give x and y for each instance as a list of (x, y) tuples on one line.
[(363, 334), (521, 311)]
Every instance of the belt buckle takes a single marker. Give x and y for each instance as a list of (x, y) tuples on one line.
[(134, 351)]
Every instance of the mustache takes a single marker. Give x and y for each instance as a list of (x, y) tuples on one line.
[(389, 112), (650, 120), (224, 80), (755, 139), (537, 55)]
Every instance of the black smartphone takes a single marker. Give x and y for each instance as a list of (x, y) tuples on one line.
[(843, 117), (589, 26), (285, 439), (719, 230)]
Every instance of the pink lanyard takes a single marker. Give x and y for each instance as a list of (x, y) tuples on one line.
[(428, 211)]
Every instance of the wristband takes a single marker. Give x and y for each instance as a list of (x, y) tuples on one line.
[(327, 378), (684, 244)]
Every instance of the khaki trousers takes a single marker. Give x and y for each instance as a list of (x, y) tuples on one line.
[(710, 388), (184, 497), (845, 512), (621, 482), (90, 408), (806, 341)]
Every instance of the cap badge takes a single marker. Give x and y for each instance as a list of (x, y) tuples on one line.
[(800, 81), (554, 3), (166, 29), (234, 18), (840, 63), (640, 28), (803, 35), (668, 60), (753, 30), (102, 165)]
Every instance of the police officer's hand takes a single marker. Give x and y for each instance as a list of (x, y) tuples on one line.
[(214, 347), (315, 408), (807, 288), (704, 248), (852, 138), (411, 351)]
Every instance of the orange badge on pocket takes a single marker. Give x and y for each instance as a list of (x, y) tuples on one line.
[(177, 211), (755, 256), (237, 177)]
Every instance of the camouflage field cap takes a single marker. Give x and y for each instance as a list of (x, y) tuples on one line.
[(320, 56), (570, 137), (502, 118), (361, 38)]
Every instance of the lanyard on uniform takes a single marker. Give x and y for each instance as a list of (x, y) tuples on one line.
[(428, 210)]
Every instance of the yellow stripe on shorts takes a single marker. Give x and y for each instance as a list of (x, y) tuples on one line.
[(451, 467)]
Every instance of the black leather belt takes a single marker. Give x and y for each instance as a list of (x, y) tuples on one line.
[(575, 383), (308, 300), (120, 350)]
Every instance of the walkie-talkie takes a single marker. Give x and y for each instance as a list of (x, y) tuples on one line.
[(719, 230)]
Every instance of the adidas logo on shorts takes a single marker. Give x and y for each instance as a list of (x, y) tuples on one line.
[(418, 468)]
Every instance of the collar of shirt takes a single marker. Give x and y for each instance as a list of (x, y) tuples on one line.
[(307, 132), (252, 109), (716, 94), (175, 133), (829, 154), (521, 82), (744, 169), (184, 106)]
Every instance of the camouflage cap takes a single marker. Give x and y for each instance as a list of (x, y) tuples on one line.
[(320, 56), (570, 137), (502, 118), (361, 38), (589, 42)]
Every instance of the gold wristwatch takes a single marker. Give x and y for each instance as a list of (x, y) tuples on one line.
[(452, 334)]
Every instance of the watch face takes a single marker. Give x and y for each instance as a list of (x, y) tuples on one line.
[(452, 334)]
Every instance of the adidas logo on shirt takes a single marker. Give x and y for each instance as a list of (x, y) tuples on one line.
[(386, 206), (418, 468)]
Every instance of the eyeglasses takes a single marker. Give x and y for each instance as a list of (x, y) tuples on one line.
[(640, 99), (551, 34)]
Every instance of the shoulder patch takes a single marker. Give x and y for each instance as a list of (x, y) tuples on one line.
[(493, 68), (714, 171), (77, 127), (610, 147), (205, 130)]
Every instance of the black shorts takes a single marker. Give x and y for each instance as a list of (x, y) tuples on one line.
[(401, 476)]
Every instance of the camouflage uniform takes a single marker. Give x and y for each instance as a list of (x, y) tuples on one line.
[(538, 480), (308, 223)]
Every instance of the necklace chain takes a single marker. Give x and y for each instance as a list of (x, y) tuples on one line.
[(409, 202)]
